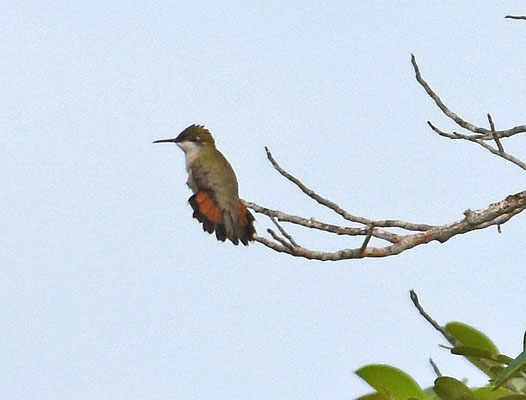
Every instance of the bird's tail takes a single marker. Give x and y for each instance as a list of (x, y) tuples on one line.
[(236, 226)]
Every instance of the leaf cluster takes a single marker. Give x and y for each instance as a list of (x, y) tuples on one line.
[(507, 376)]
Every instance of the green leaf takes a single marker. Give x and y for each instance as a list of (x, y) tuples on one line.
[(430, 394), (448, 388), (391, 382), (373, 396), (507, 373), (489, 393), (469, 336), (495, 370), (473, 338), (469, 351), (514, 397)]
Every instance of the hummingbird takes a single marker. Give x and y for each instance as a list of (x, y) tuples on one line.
[(215, 198)]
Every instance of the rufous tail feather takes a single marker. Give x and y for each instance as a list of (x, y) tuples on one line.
[(223, 223)]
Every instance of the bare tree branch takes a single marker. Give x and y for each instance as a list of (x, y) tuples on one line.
[(495, 214), (523, 17), (414, 234), (322, 226), (456, 135), (483, 133)]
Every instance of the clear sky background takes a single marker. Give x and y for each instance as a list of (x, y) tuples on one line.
[(109, 289)]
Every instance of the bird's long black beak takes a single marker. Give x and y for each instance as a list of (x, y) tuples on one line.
[(167, 141)]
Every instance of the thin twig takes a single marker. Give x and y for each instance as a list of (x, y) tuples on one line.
[(389, 223), (459, 121), (504, 155), (322, 226), (435, 367), (450, 338), (367, 238), (523, 17), (278, 238), (495, 137), (284, 232), (313, 195)]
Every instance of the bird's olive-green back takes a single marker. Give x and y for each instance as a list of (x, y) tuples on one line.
[(211, 171)]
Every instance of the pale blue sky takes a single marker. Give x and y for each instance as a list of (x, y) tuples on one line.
[(109, 289)]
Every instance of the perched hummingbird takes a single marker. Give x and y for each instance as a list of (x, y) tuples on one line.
[(210, 176)]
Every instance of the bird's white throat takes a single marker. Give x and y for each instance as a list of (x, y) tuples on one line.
[(191, 152)]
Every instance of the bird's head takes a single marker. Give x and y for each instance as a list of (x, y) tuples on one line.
[(192, 138)]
